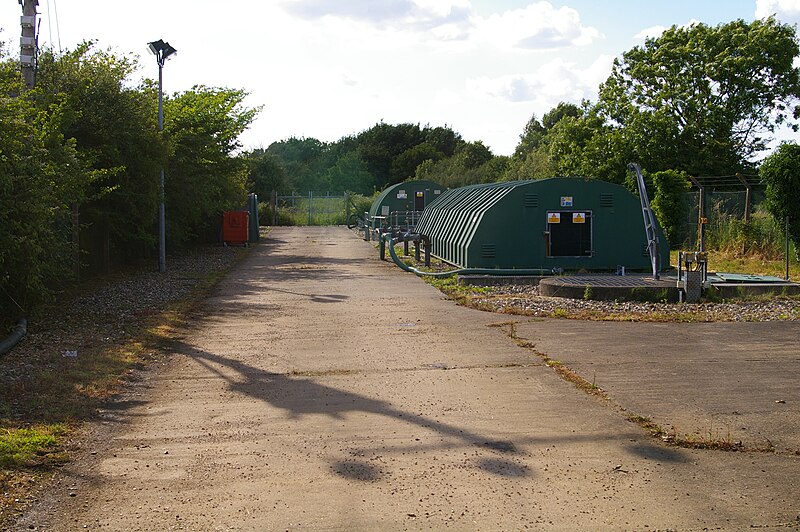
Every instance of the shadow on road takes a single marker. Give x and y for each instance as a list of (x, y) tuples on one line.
[(300, 396)]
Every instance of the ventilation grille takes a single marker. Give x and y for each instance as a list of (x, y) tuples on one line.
[(488, 251), (606, 200), (531, 200)]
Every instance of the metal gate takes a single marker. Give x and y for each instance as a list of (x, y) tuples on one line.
[(309, 209)]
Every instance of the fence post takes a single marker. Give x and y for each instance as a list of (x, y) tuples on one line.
[(787, 248), (310, 203), (274, 208)]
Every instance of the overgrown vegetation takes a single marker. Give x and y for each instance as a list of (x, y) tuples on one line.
[(80, 170)]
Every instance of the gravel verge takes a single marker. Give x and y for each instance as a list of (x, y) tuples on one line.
[(525, 300)]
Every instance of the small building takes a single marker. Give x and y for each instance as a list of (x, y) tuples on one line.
[(392, 205), (566, 223)]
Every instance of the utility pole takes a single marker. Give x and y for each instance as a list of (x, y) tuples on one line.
[(27, 42)]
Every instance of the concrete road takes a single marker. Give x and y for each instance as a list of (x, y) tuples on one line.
[(730, 381), (323, 389)]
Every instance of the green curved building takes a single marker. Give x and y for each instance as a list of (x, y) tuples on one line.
[(568, 223), (405, 197)]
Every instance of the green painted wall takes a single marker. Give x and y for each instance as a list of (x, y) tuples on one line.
[(401, 197), (505, 225)]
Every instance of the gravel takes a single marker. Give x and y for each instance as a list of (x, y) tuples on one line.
[(525, 300), (108, 311)]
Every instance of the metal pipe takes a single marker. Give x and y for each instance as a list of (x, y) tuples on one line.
[(17, 334), (459, 271)]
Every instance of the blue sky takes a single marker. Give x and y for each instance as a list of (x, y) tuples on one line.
[(330, 68)]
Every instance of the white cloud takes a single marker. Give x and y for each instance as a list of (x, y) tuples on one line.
[(446, 18), (653, 32), (553, 82), (537, 26), (785, 10)]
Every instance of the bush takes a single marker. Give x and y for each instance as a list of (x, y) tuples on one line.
[(668, 203)]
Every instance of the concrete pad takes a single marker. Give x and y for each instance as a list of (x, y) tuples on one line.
[(723, 380)]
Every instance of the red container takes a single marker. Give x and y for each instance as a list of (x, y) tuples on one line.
[(235, 226)]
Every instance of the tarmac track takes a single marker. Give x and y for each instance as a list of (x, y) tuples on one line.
[(324, 389)]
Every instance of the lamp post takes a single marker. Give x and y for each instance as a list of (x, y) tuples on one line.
[(162, 50)]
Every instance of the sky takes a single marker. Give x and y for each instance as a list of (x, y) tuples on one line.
[(331, 68)]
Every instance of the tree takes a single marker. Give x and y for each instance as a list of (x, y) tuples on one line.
[(405, 164), (267, 175), (704, 99), (669, 205), (781, 174), (204, 178), (305, 161), (531, 159), (40, 179), (443, 139), (349, 174), (381, 144), (113, 126), (471, 155)]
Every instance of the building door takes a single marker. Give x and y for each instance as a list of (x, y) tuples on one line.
[(570, 233), (419, 201)]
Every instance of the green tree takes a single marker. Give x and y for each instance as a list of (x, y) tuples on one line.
[(113, 126), (443, 139), (267, 174), (349, 174), (704, 99), (405, 164), (40, 179), (669, 203), (381, 144), (204, 178), (532, 159), (781, 174), (305, 161)]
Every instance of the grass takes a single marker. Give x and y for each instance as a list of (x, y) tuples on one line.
[(751, 263), (31, 446)]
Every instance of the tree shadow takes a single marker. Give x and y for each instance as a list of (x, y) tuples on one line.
[(302, 396)]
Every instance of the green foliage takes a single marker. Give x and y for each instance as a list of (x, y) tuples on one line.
[(781, 174), (80, 156), (204, 178), (668, 202), (760, 237), (114, 130), (405, 165), (266, 173), (702, 99), (25, 446), (40, 178), (349, 174)]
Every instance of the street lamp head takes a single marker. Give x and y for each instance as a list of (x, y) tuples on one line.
[(155, 46), (168, 50), (162, 50)]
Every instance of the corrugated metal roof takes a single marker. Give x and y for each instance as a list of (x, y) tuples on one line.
[(451, 221)]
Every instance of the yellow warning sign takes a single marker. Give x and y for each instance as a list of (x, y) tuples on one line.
[(554, 217), (578, 217)]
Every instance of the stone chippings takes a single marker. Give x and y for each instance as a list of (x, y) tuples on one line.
[(108, 311), (525, 299)]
